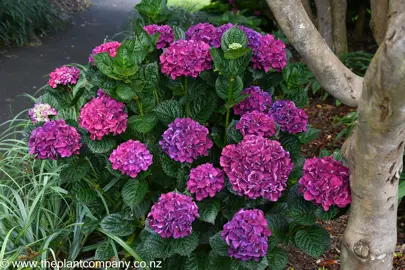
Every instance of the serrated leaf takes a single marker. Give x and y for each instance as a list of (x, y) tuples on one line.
[(82, 192), (203, 107), (232, 36), (309, 135), (103, 146), (234, 135), (186, 245), (235, 54), (277, 258), (142, 124), (337, 155), (134, 191), (154, 246), (313, 240), (219, 245), (167, 111), (117, 225), (249, 265), (326, 215), (181, 179), (72, 173), (169, 166), (208, 210), (125, 92), (178, 33), (224, 85), (278, 225), (303, 212), (291, 144), (217, 262), (90, 226), (104, 63), (324, 153), (104, 251)]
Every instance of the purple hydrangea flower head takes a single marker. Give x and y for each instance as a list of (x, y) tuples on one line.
[(246, 235), (186, 58), (109, 47), (289, 117), (256, 123), (185, 140), (254, 38), (257, 167), (102, 116), (53, 140), (258, 100), (270, 54), (205, 180), (41, 112), (131, 157), (220, 30), (205, 32), (166, 34), (63, 76), (326, 182), (173, 215)]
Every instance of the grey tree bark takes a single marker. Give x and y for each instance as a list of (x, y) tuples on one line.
[(324, 15), (374, 151), (339, 8), (378, 22), (308, 9)]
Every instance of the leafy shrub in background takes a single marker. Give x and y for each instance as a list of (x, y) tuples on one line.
[(160, 127)]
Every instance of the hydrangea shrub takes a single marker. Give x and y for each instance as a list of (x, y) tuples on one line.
[(185, 146)]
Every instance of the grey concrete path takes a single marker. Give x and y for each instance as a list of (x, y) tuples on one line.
[(24, 70)]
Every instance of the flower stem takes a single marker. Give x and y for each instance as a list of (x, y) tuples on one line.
[(186, 95), (156, 95), (138, 102)]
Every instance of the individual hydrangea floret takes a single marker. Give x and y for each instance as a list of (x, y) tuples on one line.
[(205, 180), (102, 116), (289, 117), (246, 235), (186, 58), (63, 76), (53, 140), (258, 100), (109, 47), (270, 54), (326, 182), (185, 140), (220, 30), (41, 112), (256, 123), (257, 167), (166, 34), (131, 157), (205, 32), (173, 215)]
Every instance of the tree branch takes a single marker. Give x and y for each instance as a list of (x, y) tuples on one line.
[(378, 22), (332, 75)]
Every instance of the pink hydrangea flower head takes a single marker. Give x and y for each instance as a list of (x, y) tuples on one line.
[(246, 235), (220, 30), (41, 112), (53, 140), (63, 76), (102, 116), (109, 47), (270, 54), (185, 58), (257, 167), (326, 182), (258, 100), (205, 32), (185, 140), (289, 117), (256, 123), (166, 34), (173, 215), (131, 157), (205, 180)]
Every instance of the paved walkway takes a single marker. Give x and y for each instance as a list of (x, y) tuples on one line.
[(24, 70)]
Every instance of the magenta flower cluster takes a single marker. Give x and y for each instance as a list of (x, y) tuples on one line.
[(205, 32), (258, 100), (130, 158), (102, 116), (246, 235), (205, 180), (63, 76), (326, 182), (173, 215), (256, 123), (53, 140), (220, 30), (254, 38), (109, 47), (257, 167), (270, 54), (185, 140), (185, 58), (41, 112), (166, 34), (289, 117)]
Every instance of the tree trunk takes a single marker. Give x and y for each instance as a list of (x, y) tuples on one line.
[(308, 9), (339, 26), (324, 14), (378, 23), (360, 22), (374, 154)]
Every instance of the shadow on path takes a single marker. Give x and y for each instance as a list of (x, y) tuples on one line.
[(24, 70)]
